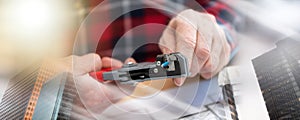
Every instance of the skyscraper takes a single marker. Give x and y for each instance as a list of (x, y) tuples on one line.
[(15, 101), (42, 93), (60, 100), (22, 92), (278, 74)]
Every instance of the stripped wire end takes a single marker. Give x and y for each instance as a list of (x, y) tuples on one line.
[(165, 64)]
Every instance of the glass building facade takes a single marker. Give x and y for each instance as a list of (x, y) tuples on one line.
[(59, 100), (20, 97), (278, 74), (15, 102)]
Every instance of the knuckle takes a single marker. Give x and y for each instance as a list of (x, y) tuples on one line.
[(202, 52), (179, 20), (210, 16), (189, 41), (186, 11), (188, 38), (189, 10), (105, 58), (96, 56), (175, 21)]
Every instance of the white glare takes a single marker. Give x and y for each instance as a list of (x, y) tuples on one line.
[(32, 14)]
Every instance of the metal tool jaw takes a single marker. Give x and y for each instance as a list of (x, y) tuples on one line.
[(172, 65)]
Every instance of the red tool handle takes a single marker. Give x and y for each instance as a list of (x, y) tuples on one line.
[(99, 74)]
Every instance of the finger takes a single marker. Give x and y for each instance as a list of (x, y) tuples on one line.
[(179, 81), (87, 63), (167, 44), (129, 60), (167, 40), (217, 47), (186, 36), (208, 46), (221, 56), (111, 62), (202, 51), (207, 75), (225, 54)]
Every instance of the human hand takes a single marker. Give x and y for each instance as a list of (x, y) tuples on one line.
[(96, 96), (80, 65), (198, 37)]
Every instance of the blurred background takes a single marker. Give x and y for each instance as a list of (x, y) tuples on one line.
[(34, 29)]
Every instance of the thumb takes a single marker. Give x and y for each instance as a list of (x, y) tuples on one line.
[(186, 36), (108, 62), (130, 60), (87, 63)]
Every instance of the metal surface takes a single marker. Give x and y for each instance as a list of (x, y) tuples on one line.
[(173, 65)]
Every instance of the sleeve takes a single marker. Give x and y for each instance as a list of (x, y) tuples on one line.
[(227, 19)]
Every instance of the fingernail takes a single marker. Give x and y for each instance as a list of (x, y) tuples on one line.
[(116, 63), (128, 60), (178, 82)]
